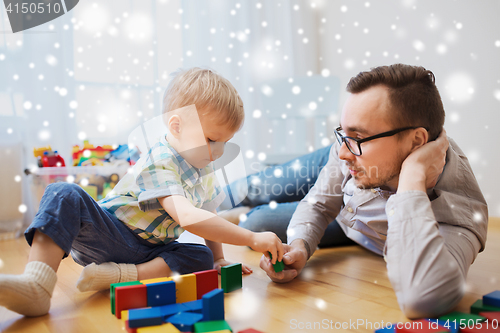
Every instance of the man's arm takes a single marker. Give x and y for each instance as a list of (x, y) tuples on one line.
[(427, 262), (309, 221)]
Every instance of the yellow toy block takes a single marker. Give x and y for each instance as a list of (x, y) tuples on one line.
[(125, 315), (185, 288), (165, 328), (156, 280), (38, 152)]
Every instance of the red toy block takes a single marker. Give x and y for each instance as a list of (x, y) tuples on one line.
[(491, 316), (250, 330), (130, 297), (484, 327), (421, 326), (206, 281)]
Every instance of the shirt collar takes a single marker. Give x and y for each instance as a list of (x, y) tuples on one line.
[(189, 174)]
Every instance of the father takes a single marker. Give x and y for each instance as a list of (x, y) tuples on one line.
[(399, 187)]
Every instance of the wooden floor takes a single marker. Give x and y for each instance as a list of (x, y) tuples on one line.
[(337, 287)]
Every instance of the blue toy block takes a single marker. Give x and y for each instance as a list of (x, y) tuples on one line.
[(387, 330), (185, 321), (492, 299), (144, 317), (161, 293), (168, 311), (194, 306), (213, 305)]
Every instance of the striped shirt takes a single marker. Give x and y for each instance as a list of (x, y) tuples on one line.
[(159, 173)]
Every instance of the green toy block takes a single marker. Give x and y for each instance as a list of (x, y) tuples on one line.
[(278, 266), (465, 317), (112, 291), (478, 306), (211, 326), (231, 277)]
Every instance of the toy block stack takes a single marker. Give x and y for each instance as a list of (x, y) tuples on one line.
[(185, 303), (484, 317)]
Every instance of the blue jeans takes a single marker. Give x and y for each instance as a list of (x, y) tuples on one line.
[(286, 184), (78, 225)]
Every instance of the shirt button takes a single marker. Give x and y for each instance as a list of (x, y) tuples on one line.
[(391, 212), (349, 209)]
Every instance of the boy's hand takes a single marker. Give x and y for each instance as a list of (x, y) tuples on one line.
[(223, 262), (268, 242)]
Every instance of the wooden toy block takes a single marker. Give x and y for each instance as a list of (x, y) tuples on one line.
[(156, 280), (491, 316), (129, 329), (194, 306), (124, 315), (386, 330), (130, 297), (145, 317), (231, 277), (492, 299), (421, 326), (484, 327), (250, 330), (112, 291), (211, 326), (185, 286), (168, 311), (452, 326), (161, 293), (165, 328), (479, 306), (457, 316), (185, 321), (278, 266), (206, 281), (213, 305)]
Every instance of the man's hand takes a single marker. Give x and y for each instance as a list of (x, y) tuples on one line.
[(218, 264), (295, 259), (421, 169)]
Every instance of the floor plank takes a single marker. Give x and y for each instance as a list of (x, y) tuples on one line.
[(346, 285)]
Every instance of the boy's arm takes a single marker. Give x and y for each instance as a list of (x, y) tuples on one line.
[(214, 228), (215, 247)]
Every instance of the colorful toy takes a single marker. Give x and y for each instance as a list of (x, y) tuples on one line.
[(151, 303), (492, 299), (231, 277), (130, 297), (213, 305), (206, 281), (161, 293), (145, 317), (165, 328), (211, 326), (52, 159), (278, 266), (112, 288), (185, 321), (479, 306), (89, 152)]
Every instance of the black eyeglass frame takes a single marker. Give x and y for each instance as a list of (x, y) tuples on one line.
[(342, 139)]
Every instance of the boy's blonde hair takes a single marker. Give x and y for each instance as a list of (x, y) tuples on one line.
[(205, 88)]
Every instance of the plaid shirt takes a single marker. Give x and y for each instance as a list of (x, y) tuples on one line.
[(159, 173)]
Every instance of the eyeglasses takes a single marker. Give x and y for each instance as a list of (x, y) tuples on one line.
[(354, 145)]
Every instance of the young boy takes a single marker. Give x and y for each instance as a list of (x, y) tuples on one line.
[(172, 188)]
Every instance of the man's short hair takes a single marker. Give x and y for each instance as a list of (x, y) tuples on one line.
[(205, 89), (413, 95)]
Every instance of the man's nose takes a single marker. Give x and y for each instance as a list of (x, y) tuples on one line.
[(345, 154)]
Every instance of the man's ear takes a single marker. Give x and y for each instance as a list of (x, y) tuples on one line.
[(174, 125), (420, 138)]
